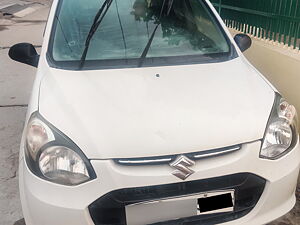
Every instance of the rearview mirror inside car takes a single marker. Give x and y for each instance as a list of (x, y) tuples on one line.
[(243, 41), (24, 53)]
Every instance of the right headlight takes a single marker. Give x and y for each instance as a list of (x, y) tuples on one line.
[(281, 134), (53, 156)]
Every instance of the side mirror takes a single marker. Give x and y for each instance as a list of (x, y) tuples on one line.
[(24, 53), (243, 41)]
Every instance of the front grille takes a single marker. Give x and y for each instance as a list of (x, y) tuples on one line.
[(169, 158), (110, 208)]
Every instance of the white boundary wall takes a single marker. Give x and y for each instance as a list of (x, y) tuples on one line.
[(279, 64)]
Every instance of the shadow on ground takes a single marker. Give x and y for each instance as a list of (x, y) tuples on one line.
[(20, 222)]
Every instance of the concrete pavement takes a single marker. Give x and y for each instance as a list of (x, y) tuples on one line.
[(11, 124), (15, 86)]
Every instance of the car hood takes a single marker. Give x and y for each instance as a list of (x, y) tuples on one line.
[(157, 111)]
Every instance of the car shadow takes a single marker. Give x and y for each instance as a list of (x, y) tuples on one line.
[(20, 222)]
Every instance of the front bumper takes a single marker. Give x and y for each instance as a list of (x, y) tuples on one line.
[(50, 204)]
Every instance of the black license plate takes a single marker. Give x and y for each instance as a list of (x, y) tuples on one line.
[(216, 203)]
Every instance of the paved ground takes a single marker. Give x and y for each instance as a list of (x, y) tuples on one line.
[(15, 85)]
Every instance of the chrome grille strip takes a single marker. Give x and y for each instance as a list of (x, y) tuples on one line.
[(167, 159), (146, 161), (216, 152)]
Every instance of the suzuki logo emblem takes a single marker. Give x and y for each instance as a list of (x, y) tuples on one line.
[(182, 165)]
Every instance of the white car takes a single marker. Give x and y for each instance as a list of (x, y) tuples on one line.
[(147, 112)]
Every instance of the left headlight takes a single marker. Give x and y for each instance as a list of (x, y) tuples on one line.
[(281, 134), (53, 156)]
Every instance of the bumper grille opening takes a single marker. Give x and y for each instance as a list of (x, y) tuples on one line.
[(110, 208)]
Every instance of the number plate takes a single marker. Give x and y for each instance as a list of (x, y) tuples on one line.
[(180, 207)]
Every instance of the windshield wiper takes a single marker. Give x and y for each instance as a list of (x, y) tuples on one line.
[(146, 50), (97, 20)]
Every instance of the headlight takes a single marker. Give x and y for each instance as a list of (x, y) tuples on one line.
[(281, 134), (53, 156)]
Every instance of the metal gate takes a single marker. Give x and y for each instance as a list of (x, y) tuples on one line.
[(276, 20)]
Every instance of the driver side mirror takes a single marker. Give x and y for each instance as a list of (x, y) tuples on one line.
[(243, 41), (24, 53)]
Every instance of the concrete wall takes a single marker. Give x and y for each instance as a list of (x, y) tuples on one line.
[(280, 65)]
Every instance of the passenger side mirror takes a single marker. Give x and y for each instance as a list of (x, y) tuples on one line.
[(24, 53), (243, 41)]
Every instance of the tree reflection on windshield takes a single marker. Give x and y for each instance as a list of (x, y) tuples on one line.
[(178, 24), (184, 30)]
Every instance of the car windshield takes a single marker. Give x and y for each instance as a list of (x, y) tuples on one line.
[(186, 32)]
